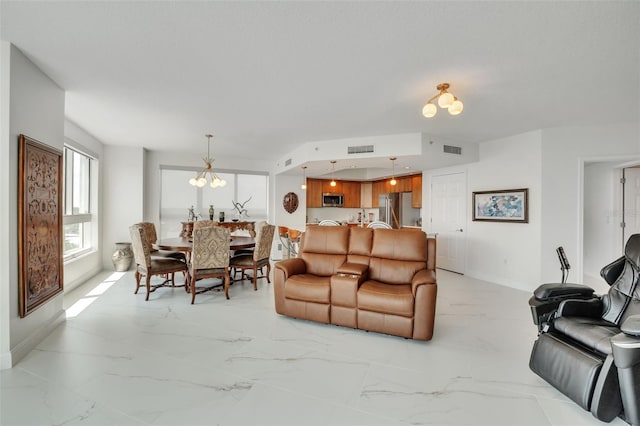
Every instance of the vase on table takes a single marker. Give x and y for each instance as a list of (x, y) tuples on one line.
[(122, 257), (211, 212)]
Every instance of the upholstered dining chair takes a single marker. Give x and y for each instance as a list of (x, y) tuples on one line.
[(204, 223), (259, 258), (209, 259), (152, 237), (147, 266)]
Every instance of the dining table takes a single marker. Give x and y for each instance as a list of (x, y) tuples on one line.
[(185, 244)]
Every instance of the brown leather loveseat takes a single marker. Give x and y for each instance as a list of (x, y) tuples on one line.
[(381, 280)]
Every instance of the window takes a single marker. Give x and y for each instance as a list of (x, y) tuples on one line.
[(177, 195), (78, 169)]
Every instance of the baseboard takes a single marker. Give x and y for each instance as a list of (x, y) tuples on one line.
[(27, 345), (5, 361)]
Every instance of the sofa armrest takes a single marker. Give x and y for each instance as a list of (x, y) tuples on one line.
[(356, 269), (292, 267), (422, 277), (590, 308)]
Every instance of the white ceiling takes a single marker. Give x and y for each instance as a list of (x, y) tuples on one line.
[(267, 76)]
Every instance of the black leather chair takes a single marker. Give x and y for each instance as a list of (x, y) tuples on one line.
[(588, 346)]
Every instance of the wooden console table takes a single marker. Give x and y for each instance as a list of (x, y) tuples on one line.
[(187, 227)]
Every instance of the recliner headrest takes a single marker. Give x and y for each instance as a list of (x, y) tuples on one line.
[(632, 250)]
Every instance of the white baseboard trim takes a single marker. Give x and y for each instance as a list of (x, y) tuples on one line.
[(5, 361), (27, 345)]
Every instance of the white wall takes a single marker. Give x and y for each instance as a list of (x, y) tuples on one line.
[(36, 109), (6, 207), (296, 220), (504, 253), (602, 217), (78, 270), (123, 196), (564, 151)]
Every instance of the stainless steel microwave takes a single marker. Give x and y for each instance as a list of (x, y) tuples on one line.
[(332, 200)]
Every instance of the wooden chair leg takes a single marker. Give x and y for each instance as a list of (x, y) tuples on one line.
[(268, 272), (255, 277), (193, 289), (148, 286), (137, 281), (226, 285)]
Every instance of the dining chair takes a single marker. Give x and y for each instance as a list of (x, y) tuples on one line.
[(152, 237), (209, 259), (379, 224), (259, 258), (147, 266), (204, 223)]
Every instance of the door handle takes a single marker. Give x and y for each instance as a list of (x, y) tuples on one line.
[(459, 230)]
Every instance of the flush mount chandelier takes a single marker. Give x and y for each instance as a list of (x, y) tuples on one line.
[(201, 179), (445, 100)]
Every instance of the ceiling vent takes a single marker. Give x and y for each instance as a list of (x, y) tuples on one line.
[(450, 149), (362, 149), (287, 163)]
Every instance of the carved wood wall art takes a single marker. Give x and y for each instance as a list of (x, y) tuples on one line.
[(290, 202), (39, 223)]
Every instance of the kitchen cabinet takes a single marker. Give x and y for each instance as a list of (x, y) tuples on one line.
[(403, 184), (314, 193), (416, 191), (327, 188), (351, 191)]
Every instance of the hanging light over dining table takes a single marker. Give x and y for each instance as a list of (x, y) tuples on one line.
[(201, 179)]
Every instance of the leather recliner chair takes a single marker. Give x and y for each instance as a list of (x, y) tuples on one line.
[(588, 346)]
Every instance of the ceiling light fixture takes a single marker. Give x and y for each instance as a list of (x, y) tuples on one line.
[(445, 100), (393, 180), (304, 178), (201, 179), (333, 172)]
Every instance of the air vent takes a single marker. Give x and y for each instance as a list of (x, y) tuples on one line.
[(287, 163), (359, 149), (450, 149)]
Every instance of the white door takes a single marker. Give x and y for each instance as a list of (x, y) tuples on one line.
[(448, 219), (631, 202)]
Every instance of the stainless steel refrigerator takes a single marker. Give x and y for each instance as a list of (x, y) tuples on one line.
[(390, 207)]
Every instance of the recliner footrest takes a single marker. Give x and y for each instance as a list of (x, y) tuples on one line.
[(569, 369)]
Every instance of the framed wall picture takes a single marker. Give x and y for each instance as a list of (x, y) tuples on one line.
[(509, 205), (39, 223)]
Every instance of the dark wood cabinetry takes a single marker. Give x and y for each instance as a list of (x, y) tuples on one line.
[(416, 191), (314, 193), (351, 191)]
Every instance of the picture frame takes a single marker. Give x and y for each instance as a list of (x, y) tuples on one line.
[(40, 235), (507, 205)]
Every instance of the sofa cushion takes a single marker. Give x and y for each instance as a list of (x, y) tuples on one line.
[(389, 299), (393, 271), (360, 240), (595, 334), (324, 249), (308, 288), (391, 244)]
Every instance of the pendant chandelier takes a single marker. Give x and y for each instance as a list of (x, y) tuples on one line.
[(333, 172), (304, 178), (393, 180), (201, 179), (445, 100)]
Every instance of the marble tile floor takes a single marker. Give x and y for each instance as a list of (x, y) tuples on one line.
[(123, 361)]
